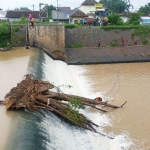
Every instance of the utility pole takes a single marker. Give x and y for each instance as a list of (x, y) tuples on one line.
[(33, 7), (43, 11), (57, 10)]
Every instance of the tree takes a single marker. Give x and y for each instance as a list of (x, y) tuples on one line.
[(0, 8), (117, 6), (145, 10), (22, 8), (135, 18), (115, 19), (50, 8), (16, 9)]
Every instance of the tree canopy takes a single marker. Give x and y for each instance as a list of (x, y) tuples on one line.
[(115, 19), (135, 18), (117, 6), (145, 10), (22, 8), (50, 8)]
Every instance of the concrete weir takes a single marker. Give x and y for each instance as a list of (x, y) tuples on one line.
[(50, 38)]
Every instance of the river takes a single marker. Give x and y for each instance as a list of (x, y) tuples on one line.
[(115, 83)]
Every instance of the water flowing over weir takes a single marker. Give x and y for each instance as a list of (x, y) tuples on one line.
[(45, 131)]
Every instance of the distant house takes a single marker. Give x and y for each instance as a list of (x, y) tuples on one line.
[(14, 15), (62, 15), (77, 15), (3, 15), (124, 17), (64, 8), (88, 7), (145, 20)]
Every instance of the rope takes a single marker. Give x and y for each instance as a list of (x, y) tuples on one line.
[(48, 101), (115, 83)]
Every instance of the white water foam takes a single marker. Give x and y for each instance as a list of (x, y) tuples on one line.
[(66, 137)]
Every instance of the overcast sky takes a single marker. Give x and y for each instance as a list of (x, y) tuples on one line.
[(11, 4)]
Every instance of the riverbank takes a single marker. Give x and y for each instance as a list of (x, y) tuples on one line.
[(102, 55)]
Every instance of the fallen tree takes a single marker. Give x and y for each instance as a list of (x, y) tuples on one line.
[(34, 95)]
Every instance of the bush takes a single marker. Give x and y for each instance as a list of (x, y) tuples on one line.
[(134, 18), (76, 45), (143, 32), (115, 19), (4, 35), (122, 27), (114, 43), (71, 26)]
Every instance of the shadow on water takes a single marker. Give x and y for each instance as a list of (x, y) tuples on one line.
[(28, 133), (36, 66)]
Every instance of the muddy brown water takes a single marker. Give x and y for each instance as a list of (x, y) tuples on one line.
[(131, 83), (116, 83)]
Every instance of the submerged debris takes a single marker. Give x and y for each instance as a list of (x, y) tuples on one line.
[(34, 94)]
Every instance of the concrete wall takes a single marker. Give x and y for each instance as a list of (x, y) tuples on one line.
[(18, 35), (90, 35), (51, 38)]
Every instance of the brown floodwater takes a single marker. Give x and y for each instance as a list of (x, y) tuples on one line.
[(13, 66), (116, 83), (120, 83)]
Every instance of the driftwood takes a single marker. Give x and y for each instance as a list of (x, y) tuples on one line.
[(34, 95)]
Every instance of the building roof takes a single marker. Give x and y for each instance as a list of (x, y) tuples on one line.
[(20, 13), (124, 14), (89, 2), (62, 15), (64, 8), (67, 11), (145, 17), (78, 13)]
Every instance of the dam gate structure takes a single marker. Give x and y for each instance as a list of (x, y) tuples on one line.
[(50, 38)]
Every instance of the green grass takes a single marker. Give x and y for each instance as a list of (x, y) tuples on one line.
[(143, 32), (76, 45), (122, 27)]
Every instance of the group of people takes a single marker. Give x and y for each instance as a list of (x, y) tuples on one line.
[(31, 20), (92, 21), (125, 41)]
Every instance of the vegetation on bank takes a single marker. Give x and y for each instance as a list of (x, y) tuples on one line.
[(144, 33), (75, 45), (9, 32), (4, 35)]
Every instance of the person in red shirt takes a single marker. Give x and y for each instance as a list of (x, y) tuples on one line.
[(99, 43), (125, 41), (98, 99), (135, 41)]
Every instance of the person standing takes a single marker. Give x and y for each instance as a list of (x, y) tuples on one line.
[(135, 41), (125, 41), (98, 99), (99, 42), (32, 22), (30, 17), (78, 21)]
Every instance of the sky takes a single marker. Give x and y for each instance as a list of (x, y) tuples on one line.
[(12, 4)]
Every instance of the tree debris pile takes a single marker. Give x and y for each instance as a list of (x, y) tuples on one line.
[(34, 94)]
